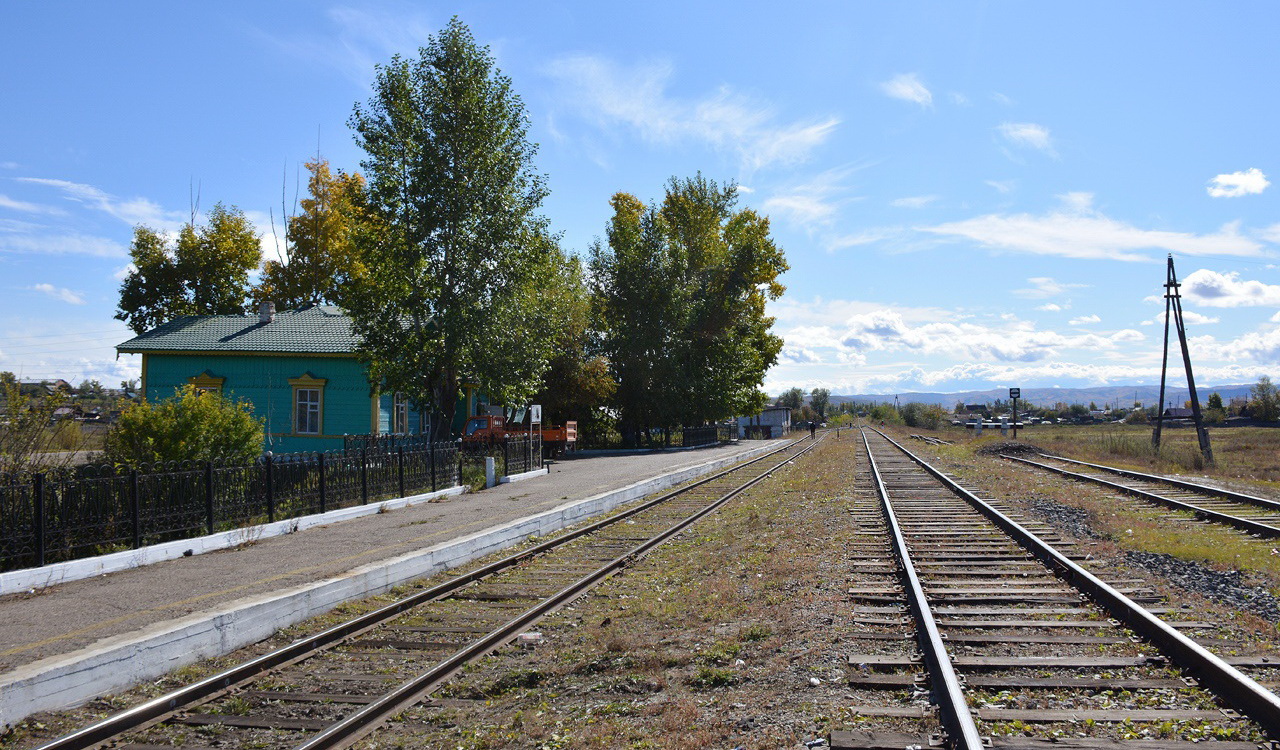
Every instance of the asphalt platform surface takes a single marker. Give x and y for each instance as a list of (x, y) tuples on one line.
[(73, 615)]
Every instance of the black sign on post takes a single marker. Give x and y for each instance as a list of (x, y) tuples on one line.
[(1014, 393)]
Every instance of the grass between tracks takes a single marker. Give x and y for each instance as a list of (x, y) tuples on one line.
[(715, 640)]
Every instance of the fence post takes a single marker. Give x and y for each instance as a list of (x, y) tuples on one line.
[(208, 495), (506, 456), (431, 448), (320, 459), (134, 514), (271, 494), (37, 498), (401, 470), (364, 476), (459, 463)]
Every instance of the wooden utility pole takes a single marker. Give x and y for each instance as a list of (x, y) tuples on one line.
[(1173, 309)]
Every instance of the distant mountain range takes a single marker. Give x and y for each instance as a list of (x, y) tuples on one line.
[(1115, 395)]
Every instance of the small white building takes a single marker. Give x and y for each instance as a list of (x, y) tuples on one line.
[(773, 422)]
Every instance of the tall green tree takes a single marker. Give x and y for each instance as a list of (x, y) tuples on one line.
[(638, 304), (819, 398), (323, 263), (792, 398), (460, 256), (1264, 400), (682, 289), (204, 271)]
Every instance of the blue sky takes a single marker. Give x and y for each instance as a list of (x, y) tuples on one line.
[(970, 195)]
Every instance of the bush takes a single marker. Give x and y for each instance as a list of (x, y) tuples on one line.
[(192, 426)]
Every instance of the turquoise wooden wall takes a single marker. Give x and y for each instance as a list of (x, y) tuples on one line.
[(264, 382)]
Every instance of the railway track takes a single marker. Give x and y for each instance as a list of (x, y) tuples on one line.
[(998, 637), (1255, 515), (336, 687)]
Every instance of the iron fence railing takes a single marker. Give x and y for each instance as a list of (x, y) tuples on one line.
[(93, 510), (513, 455)]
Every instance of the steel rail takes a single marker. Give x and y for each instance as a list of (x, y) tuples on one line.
[(365, 721), (947, 691), (160, 708), (1251, 526), (1238, 689), (1240, 497)]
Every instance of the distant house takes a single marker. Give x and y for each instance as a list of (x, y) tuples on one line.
[(298, 368), (773, 422), (1178, 412)]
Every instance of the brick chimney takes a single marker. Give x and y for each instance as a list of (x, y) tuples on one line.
[(266, 312)]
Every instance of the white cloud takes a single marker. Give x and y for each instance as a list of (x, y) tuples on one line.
[(1001, 99), (1079, 231), (1044, 286), (1275, 318), (1027, 135), (959, 99), (59, 293), (1188, 316), (131, 211), (915, 201), (1085, 320), (1213, 289), (1236, 184), (62, 244), (908, 88), (1271, 234), (1002, 186), (886, 330), (31, 208), (746, 190), (845, 241), (361, 38), (813, 203), (1050, 307), (726, 120)]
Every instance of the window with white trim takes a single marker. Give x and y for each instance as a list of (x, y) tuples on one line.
[(400, 414), (306, 413)]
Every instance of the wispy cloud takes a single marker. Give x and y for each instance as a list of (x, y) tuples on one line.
[(1044, 286), (59, 293), (1236, 184), (61, 244), (1052, 307), (360, 38), (26, 207), (812, 203), (131, 211), (637, 97), (1002, 186), (915, 201), (1027, 135), (1078, 231), (1188, 316), (8, 165), (908, 88), (1085, 320), (1214, 289)]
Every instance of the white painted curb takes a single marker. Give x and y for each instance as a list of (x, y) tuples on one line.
[(121, 661), (30, 579), (525, 475)]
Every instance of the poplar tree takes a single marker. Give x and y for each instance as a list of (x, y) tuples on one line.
[(459, 256), (682, 289)]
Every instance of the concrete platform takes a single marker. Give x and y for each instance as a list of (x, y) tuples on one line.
[(68, 643)]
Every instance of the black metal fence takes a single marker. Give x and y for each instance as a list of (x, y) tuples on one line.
[(514, 455), (95, 510)]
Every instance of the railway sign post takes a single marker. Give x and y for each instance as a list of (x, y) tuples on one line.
[(1014, 393)]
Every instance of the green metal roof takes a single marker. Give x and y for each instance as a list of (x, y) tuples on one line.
[(320, 329)]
